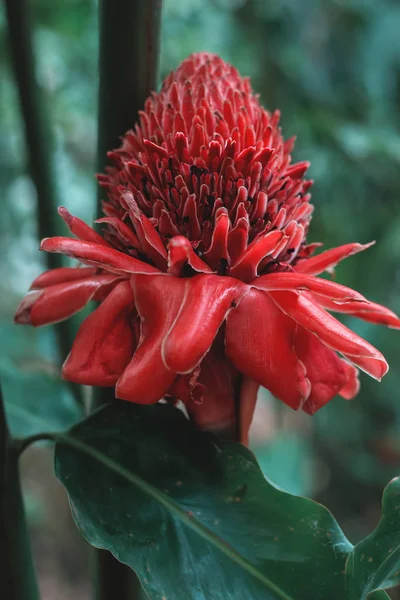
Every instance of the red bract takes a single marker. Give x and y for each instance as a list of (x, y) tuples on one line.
[(206, 285)]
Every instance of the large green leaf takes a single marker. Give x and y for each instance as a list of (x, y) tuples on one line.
[(192, 515), (374, 563), (36, 399)]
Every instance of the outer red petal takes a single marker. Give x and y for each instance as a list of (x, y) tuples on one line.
[(181, 253), (247, 404), (300, 307), (325, 370), (209, 394), (204, 307), (372, 312), (62, 275), (246, 265), (95, 254), (352, 385), (158, 299), (60, 301), (80, 228), (105, 341), (298, 281), (259, 340), (327, 261)]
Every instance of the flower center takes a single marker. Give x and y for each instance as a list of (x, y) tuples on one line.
[(207, 162)]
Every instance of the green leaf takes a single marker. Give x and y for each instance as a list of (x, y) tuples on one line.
[(36, 399), (374, 563), (36, 402), (192, 515)]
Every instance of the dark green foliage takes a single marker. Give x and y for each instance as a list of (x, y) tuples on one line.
[(375, 561), (195, 485), (195, 517)]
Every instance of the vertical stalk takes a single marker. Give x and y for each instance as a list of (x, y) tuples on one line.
[(128, 63), (39, 141), (17, 574), (37, 132)]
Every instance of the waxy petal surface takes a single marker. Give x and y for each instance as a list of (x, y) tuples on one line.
[(298, 281), (352, 385), (59, 301), (247, 404), (204, 307), (149, 237), (105, 341), (62, 275), (209, 394), (259, 341), (218, 249), (246, 265), (158, 299), (95, 254), (181, 253), (80, 228), (371, 312), (325, 370), (124, 232), (300, 307), (327, 260)]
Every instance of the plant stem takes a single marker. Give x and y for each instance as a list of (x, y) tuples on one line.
[(128, 64), (17, 574), (39, 141), (37, 132)]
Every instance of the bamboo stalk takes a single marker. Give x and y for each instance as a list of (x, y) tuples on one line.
[(39, 142), (128, 64), (37, 131), (17, 573)]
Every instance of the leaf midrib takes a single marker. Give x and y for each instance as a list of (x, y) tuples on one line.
[(189, 520)]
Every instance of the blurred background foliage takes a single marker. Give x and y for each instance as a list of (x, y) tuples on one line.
[(333, 68)]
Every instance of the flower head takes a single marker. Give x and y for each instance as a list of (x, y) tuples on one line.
[(207, 287)]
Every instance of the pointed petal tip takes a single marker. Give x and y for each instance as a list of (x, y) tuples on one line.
[(385, 370), (43, 243), (329, 259), (64, 213), (23, 313), (375, 366)]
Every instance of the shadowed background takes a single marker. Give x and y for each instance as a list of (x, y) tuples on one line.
[(333, 68)]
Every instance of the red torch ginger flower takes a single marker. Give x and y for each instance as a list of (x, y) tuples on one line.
[(207, 287)]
